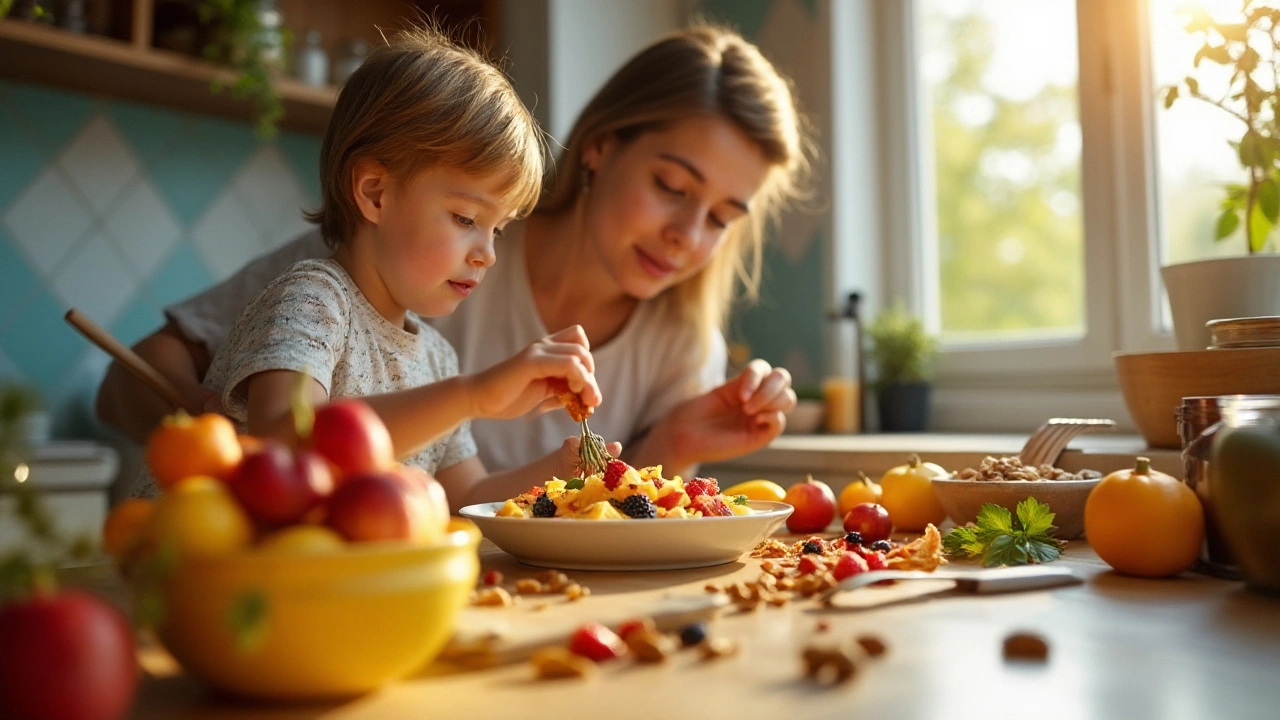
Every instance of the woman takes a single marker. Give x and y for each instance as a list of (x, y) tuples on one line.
[(654, 218)]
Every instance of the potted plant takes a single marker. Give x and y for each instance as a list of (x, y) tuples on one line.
[(1248, 47), (901, 355), (247, 37)]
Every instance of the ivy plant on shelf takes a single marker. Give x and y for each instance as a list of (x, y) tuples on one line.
[(239, 39)]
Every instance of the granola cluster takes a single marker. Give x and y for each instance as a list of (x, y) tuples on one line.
[(1011, 468)]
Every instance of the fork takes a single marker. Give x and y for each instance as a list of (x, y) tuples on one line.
[(1047, 443)]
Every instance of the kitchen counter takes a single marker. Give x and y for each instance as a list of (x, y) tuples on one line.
[(1119, 647), (836, 459)]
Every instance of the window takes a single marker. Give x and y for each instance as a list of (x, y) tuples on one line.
[(1032, 186)]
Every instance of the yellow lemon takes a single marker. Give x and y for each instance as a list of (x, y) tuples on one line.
[(303, 540), (200, 516), (757, 490)]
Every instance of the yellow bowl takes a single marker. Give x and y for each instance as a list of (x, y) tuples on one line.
[(333, 625)]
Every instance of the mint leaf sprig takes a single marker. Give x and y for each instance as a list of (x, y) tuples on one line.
[(1000, 538)]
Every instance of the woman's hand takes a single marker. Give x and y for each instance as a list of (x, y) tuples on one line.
[(519, 384), (739, 417)]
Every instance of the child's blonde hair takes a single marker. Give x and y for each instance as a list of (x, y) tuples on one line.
[(704, 70), (423, 101)]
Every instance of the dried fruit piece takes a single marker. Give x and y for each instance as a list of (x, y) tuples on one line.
[(557, 662), (493, 577), (1026, 646), (873, 645), (829, 665)]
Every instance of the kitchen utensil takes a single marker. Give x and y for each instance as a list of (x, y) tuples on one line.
[(1047, 443), (484, 640), (139, 367), (981, 582)]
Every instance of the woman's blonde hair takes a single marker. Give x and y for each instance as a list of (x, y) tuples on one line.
[(423, 101), (704, 70)]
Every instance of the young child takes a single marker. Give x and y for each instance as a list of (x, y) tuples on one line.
[(429, 153)]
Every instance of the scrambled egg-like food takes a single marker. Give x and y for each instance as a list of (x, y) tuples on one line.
[(622, 492)]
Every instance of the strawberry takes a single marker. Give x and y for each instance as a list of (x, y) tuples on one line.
[(810, 565), (613, 473), (702, 486), (848, 565), (709, 506), (596, 642), (875, 560)]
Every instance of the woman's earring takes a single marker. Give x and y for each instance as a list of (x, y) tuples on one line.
[(587, 175)]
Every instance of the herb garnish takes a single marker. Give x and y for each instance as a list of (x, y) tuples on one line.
[(999, 538)]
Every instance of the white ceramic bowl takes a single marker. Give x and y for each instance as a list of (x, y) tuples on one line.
[(659, 544), (962, 499)]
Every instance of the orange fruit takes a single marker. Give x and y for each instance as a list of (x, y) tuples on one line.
[(185, 446), (906, 491), (122, 530), (862, 490), (201, 518), (1144, 522)]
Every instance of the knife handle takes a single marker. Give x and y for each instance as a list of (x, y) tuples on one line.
[(1027, 577)]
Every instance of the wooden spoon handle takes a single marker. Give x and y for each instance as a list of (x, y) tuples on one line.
[(139, 367)]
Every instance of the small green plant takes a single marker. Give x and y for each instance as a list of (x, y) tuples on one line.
[(1248, 47), (899, 349), (238, 40)]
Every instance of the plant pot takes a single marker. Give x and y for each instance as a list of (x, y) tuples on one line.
[(903, 408), (1233, 287)]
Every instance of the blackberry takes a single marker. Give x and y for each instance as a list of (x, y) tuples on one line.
[(811, 547), (691, 635), (544, 507), (637, 506), (881, 545), (853, 538)]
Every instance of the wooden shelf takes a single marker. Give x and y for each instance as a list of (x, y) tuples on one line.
[(116, 68)]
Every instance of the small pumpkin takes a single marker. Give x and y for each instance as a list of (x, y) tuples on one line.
[(906, 491), (862, 490), (1144, 522)]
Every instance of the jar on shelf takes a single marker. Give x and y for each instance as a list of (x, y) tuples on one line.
[(1244, 472), (311, 64)]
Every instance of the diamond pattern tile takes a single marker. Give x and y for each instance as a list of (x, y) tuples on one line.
[(225, 237), (150, 132), (143, 229), (95, 281), (99, 164), (138, 320), (182, 275), (268, 191), (40, 343), (22, 159), (52, 116), (303, 155), (47, 220), (17, 279)]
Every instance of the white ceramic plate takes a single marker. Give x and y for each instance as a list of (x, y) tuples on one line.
[(628, 544)]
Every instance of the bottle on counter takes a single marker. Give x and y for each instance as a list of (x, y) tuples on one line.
[(842, 392)]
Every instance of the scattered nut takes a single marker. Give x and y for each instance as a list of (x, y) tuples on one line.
[(713, 648), (576, 592), (828, 665), (558, 662), (822, 626), (711, 588), (494, 597), (648, 645), (554, 580), (873, 645), (1026, 646), (529, 586)]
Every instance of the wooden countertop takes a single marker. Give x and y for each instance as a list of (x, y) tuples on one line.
[(1188, 647)]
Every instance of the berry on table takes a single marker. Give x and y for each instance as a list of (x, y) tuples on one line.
[(544, 507), (693, 634)]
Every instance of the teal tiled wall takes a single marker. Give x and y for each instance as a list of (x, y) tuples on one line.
[(118, 209)]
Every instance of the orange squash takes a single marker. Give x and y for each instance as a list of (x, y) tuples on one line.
[(862, 490), (1144, 522), (906, 491)]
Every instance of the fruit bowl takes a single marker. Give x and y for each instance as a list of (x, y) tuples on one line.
[(334, 624), (962, 499)]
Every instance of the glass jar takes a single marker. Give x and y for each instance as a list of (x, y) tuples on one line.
[(1198, 419), (1244, 471)]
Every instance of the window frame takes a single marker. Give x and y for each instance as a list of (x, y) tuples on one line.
[(1011, 386)]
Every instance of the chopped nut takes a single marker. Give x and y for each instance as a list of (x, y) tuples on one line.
[(822, 626), (766, 581), (872, 644), (711, 588), (1026, 646), (786, 583), (713, 648), (554, 580), (528, 586), (778, 599), (576, 592), (648, 645), (494, 597), (558, 662), (828, 664)]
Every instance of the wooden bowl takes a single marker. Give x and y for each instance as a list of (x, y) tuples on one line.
[(1154, 383), (962, 499)]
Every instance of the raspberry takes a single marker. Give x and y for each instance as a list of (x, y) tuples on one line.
[(613, 473), (702, 486), (875, 561), (848, 565), (544, 507), (709, 506), (637, 506)]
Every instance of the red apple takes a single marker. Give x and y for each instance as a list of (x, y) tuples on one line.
[(373, 507), (350, 435), (431, 507), (869, 520), (279, 486), (65, 655), (814, 503)]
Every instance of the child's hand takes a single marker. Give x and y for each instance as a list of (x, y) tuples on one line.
[(568, 456), (517, 385)]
